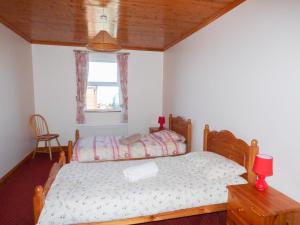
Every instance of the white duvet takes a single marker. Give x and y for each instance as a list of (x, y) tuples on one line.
[(96, 192)]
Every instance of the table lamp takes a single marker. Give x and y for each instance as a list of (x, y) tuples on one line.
[(263, 167), (161, 121)]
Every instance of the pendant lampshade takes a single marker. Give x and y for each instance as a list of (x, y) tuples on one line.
[(103, 42)]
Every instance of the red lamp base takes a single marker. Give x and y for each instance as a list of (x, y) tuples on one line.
[(261, 184), (161, 121)]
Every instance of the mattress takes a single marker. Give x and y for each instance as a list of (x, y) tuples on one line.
[(98, 192), (103, 148)]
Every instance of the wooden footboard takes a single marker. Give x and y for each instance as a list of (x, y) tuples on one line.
[(40, 192), (165, 216)]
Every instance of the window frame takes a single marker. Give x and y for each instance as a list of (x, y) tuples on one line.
[(106, 84)]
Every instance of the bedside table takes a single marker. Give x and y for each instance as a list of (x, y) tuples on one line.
[(247, 206), (154, 129)]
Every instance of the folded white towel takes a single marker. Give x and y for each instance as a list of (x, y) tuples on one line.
[(139, 172)]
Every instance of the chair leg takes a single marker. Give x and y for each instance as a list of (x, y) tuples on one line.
[(59, 144), (50, 152), (46, 145), (36, 148)]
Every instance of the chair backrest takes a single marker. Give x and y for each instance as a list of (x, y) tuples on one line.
[(38, 125)]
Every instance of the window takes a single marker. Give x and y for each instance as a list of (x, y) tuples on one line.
[(103, 91)]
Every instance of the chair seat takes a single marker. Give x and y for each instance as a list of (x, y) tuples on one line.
[(46, 137)]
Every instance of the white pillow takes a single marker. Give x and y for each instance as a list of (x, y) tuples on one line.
[(221, 167), (198, 159), (214, 166), (168, 135)]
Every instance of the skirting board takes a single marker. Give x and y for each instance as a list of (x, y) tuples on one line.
[(53, 149), (9, 173), (28, 157)]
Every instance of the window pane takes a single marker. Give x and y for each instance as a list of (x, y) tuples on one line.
[(91, 97), (102, 72), (108, 97), (102, 97)]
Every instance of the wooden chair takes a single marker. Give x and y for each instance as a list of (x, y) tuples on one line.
[(40, 131)]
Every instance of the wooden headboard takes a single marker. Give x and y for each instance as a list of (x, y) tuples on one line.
[(184, 127), (226, 144)]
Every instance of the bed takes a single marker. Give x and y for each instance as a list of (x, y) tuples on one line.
[(173, 141), (223, 143)]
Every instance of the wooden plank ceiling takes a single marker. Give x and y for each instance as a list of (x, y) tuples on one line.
[(137, 24)]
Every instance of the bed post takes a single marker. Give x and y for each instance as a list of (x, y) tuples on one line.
[(70, 150), (77, 135), (38, 202), (62, 158), (205, 137), (170, 121), (189, 136), (253, 152)]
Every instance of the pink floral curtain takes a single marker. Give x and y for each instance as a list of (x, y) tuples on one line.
[(122, 59), (82, 67)]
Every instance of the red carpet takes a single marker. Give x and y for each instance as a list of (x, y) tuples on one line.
[(16, 197), (16, 194)]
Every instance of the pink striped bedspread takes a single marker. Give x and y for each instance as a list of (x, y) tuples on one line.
[(104, 148)]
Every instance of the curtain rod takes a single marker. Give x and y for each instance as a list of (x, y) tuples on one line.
[(123, 53)]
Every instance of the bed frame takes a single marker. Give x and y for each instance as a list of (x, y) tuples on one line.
[(178, 124), (222, 142)]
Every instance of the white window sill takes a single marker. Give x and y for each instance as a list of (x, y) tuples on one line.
[(102, 110), (103, 125)]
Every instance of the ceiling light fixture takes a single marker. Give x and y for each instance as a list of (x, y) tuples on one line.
[(103, 41)]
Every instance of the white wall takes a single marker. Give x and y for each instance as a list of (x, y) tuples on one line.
[(16, 98), (55, 91), (242, 73)]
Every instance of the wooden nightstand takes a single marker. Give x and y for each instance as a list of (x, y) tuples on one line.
[(247, 206), (154, 129)]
